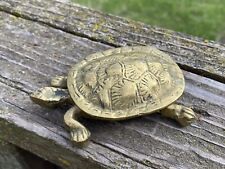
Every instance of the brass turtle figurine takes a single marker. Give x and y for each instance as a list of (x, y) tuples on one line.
[(118, 84)]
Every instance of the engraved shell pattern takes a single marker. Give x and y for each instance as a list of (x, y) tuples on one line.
[(125, 82)]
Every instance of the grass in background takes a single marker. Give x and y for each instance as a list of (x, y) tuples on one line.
[(204, 18)]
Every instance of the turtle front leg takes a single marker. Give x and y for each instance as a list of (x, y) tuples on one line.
[(59, 81), (78, 132), (181, 114)]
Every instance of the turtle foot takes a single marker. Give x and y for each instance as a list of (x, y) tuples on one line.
[(59, 81), (79, 134), (183, 115), (186, 116)]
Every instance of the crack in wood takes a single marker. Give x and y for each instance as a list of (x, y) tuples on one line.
[(14, 84)]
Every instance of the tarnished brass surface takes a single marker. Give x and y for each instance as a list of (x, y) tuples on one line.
[(59, 81), (125, 82), (183, 115), (78, 132), (50, 96), (119, 84)]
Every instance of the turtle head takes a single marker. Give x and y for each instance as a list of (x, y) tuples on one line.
[(50, 96)]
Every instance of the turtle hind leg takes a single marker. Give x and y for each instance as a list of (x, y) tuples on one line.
[(78, 132), (181, 114), (59, 81)]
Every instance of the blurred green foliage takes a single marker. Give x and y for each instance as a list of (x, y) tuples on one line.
[(204, 18)]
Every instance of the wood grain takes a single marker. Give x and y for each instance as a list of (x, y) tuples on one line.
[(32, 52), (200, 56)]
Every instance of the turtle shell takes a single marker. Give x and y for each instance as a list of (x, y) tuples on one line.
[(125, 82)]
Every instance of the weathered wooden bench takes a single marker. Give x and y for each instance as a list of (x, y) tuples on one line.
[(41, 39)]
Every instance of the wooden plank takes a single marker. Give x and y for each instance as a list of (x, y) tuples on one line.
[(31, 53), (10, 157), (202, 57), (19, 61)]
